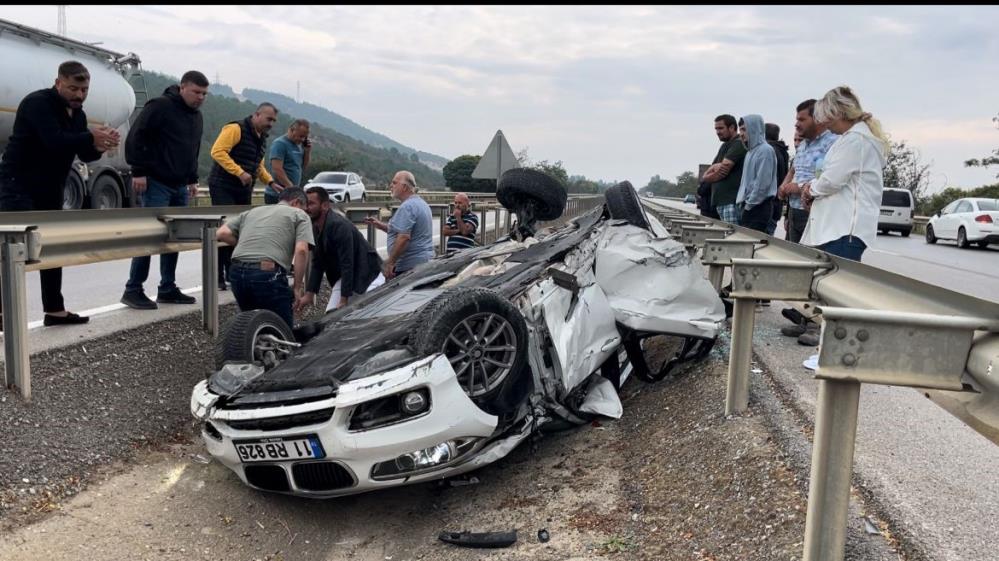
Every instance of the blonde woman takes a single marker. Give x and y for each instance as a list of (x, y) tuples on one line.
[(845, 196)]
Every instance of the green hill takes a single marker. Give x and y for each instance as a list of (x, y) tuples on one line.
[(331, 150)]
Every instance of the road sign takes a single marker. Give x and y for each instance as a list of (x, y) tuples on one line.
[(498, 158)]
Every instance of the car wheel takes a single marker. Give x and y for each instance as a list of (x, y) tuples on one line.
[(104, 193), (523, 187), (962, 238), (484, 337), (364, 196), (905, 233), (930, 237), (346, 198), (72, 192), (254, 336), (623, 204)]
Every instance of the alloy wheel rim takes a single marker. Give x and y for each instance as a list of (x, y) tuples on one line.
[(482, 349)]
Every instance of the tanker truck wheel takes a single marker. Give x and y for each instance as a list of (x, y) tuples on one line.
[(105, 193), (72, 193)]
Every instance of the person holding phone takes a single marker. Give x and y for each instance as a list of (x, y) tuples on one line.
[(288, 158)]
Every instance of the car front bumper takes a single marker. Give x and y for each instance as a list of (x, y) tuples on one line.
[(350, 456)]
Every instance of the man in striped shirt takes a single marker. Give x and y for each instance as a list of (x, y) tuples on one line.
[(461, 226)]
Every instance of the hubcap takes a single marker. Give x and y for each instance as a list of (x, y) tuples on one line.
[(481, 349)]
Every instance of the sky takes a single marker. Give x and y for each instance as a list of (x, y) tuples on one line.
[(614, 92)]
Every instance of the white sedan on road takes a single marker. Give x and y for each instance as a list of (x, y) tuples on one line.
[(343, 186), (968, 221)]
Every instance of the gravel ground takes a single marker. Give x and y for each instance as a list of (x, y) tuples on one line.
[(673, 479)]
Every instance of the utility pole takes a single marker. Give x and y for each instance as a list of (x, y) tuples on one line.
[(61, 26), (298, 91)]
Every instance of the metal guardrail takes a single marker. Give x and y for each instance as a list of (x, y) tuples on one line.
[(878, 328)]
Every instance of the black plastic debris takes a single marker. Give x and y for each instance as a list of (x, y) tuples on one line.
[(543, 536), (480, 539)]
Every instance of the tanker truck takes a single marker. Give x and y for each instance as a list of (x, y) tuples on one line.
[(28, 61)]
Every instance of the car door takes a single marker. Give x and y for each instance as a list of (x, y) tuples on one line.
[(943, 225), (352, 187), (960, 217)]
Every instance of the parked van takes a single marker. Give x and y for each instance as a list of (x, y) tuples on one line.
[(897, 210)]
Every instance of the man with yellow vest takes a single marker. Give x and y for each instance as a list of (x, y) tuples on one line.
[(239, 158)]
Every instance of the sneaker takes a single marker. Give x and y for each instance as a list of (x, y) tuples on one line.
[(138, 301), (794, 316), (69, 319), (810, 338), (796, 330), (175, 296)]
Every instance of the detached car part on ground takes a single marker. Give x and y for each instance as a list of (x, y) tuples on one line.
[(449, 367)]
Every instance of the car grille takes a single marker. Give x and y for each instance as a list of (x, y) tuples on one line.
[(268, 477), (283, 422), (321, 476)]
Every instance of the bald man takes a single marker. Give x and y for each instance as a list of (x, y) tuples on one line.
[(461, 226), (410, 231)]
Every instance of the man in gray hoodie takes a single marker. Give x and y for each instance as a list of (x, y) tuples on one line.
[(758, 187)]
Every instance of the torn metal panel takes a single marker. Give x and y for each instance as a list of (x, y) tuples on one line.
[(602, 399), (653, 285)]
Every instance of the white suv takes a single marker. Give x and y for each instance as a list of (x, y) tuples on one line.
[(343, 186), (897, 210)]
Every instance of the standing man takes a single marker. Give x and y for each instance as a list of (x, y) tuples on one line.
[(239, 158), (461, 226), (758, 186), (351, 265), (410, 230), (50, 130), (268, 240), (162, 149), (811, 153), (783, 163), (289, 156), (725, 172)]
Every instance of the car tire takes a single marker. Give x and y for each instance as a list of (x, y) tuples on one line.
[(105, 193), (905, 233), (623, 204), (520, 184), (962, 238), (72, 194), (465, 324), (930, 236), (240, 339), (346, 198)]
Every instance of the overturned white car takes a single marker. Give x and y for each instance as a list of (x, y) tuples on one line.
[(449, 367)]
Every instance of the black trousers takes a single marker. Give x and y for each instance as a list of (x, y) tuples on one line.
[(224, 195), (14, 199), (796, 220), (758, 217)]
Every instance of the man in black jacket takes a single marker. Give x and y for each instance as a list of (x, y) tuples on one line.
[(351, 265), (162, 148), (50, 130)]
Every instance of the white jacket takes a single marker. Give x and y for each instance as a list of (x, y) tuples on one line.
[(848, 192)]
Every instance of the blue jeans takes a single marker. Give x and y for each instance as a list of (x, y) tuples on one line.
[(847, 247), (157, 195), (255, 289)]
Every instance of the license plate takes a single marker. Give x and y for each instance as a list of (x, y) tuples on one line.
[(886, 213), (280, 449)]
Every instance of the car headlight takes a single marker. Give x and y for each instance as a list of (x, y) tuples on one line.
[(426, 459), (390, 410)]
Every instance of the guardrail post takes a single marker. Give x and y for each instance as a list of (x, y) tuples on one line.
[(371, 230), (209, 279), (752, 280), (718, 254), (19, 246), (182, 228), (832, 466), (496, 224), (484, 225)]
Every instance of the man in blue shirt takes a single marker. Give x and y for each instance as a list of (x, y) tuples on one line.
[(808, 158), (288, 158), (410, 231), (461, 226)]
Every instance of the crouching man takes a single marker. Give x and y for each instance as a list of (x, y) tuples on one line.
[(351, 265), (268, 240)]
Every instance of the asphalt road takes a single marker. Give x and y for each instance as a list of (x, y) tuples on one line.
[(97, 288)]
